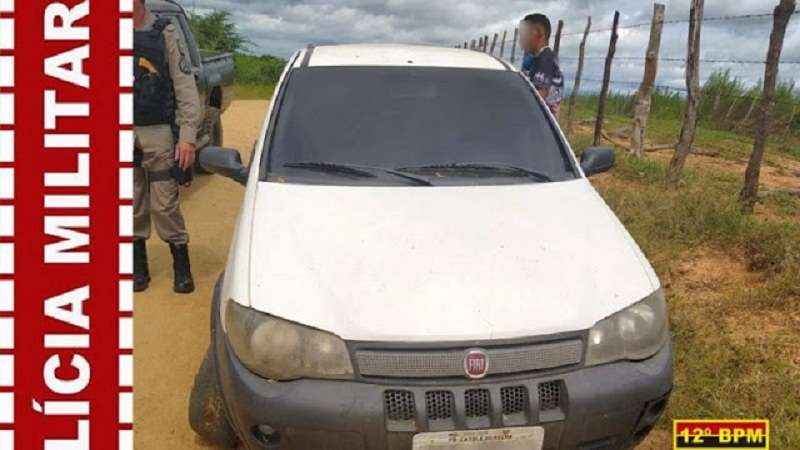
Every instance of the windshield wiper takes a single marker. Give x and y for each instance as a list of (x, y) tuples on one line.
[(356, 170), (497, 167)]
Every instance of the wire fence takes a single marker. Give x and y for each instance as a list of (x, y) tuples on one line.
[(729, 95)]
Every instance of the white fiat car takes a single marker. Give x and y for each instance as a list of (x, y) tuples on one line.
[(420, 262)]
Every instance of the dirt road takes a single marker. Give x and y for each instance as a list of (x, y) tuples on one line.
[(171, 330)]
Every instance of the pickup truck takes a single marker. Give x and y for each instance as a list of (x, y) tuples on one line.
[(213, 72)]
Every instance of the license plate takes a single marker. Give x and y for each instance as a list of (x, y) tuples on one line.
[(522, 438)]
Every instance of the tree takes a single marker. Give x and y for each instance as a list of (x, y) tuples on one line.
[(781, 16), (216, 31)]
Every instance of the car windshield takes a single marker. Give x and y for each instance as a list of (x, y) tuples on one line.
[(412, 126)]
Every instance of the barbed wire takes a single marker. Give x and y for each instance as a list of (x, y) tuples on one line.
[(666, 22), (501, 42), (675, 21), (681, 60)]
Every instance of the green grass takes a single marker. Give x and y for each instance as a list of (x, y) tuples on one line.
[(725, 101), (664, 128), (253, 91), (737, 345), (263, 69)]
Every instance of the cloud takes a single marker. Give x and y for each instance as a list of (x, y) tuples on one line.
[(280, 27)]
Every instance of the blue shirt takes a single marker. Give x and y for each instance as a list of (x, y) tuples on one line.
[(528, 60)]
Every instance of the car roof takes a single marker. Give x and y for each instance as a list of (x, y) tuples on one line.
[(396, 55)]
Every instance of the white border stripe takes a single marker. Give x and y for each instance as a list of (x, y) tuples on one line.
[(7, 439), (6, 220), (126, 183), (6, 295), (6, 408), (125, 439), (6, 371), (126, 407), (126, 370), (126, 146), (6, 71), (6, 333), (126, 258), (7, 34), (126, 333), (6, 258), (126, 295), (126, 34), (6, 145)]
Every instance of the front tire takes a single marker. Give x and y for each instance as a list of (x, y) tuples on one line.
[(207, 407)]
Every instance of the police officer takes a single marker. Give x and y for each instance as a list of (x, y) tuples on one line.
[(167, 113)]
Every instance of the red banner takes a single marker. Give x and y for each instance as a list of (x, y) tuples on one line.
[(65, 225)]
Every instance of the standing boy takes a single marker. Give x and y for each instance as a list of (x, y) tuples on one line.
[(544, 71)]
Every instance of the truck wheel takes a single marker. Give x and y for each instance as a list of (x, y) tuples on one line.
[(215, 137), (207, 408)]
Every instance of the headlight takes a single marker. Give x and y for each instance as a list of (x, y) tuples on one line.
[(637, 332), (281, 350)]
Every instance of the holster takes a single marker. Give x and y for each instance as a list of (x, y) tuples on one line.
[(138, 157), (183, 177)]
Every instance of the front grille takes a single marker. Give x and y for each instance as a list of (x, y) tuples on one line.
[(514, 399), (450, 363), (481, 407), (439, 405), (476, 402), (549, 395), (399, 405)]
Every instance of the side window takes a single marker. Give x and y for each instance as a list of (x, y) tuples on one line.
[(188, 39), (185, 35)]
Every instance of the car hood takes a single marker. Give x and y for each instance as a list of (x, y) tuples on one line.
[(416, 264)]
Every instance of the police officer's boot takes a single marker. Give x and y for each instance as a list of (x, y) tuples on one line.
[(184, 283), (141, 273)]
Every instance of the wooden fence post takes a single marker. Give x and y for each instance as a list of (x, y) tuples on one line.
[(514, 45), (731, 108), (689, 126), (612, 48), (494, 43), (749, 112), (577, 86), (791, 120), (642, 109), (503, 44), (557, 44), (781, 16), (715, 108)]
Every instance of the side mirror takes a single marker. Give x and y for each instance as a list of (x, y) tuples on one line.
[(224, 161), (596, 160)]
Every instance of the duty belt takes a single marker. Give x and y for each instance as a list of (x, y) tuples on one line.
[(159, 175)]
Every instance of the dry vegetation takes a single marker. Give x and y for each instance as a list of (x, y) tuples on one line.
[(732, 280)]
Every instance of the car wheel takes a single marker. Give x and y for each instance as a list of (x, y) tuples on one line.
[(207, 408)]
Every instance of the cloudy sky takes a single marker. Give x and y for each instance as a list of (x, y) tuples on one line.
[(280, 27)]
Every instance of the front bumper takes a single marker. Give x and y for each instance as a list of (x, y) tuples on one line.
[(605, 407)]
